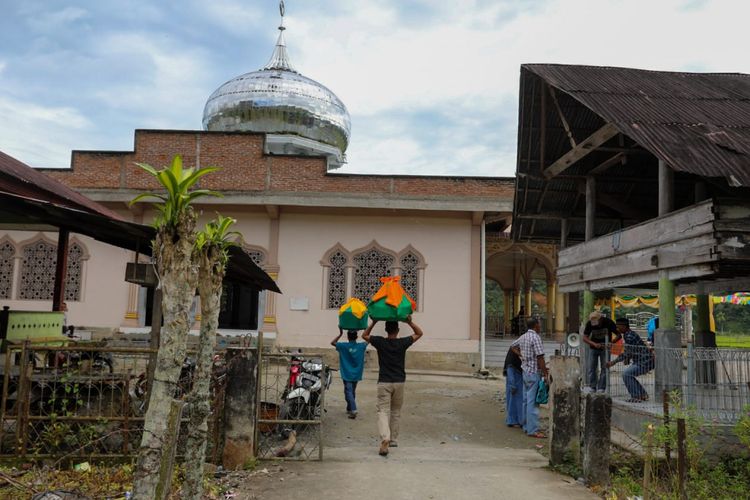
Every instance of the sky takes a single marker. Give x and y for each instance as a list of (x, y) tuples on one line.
[(431, 85)]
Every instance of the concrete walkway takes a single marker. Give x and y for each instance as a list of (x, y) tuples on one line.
[(453, 445)]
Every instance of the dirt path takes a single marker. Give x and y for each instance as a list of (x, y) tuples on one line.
[(453, 444)]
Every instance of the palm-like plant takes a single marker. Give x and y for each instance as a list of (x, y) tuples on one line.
[(178, 183), (211, 247), (173, 250)]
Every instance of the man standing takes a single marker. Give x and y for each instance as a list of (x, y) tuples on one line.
[(351, 365), (641, 359), (513, 389), (529, 346), (596, 333), (391, 377)]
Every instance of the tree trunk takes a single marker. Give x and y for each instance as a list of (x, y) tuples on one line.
[(173, 250), (210, 276)]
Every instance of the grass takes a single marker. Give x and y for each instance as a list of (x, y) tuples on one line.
[(742, 341)]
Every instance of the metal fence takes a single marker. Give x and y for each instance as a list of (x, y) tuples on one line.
[(714, 383), (291, 406), (83, 400)]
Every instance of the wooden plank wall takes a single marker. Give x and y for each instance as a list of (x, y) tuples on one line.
[(688, 243)]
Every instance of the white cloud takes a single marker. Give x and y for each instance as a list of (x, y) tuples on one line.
[(39, 135), (47, 21), (231, 15)]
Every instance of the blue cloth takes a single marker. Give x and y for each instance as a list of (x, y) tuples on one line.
[(530, 386), (351, 360), (513, 396), (597, 381), (634, 387), (636, 351), (651, 327), (350, 394)]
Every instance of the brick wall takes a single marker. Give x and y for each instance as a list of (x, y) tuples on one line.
[(244, 167)]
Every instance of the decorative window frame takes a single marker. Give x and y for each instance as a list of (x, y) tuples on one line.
[(420, 268), (13, 274), (85, 256), (373, 245), (254, 249), (325, 262)]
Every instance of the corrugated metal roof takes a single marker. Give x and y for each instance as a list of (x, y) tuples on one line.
[(698, 123), (695, 122)]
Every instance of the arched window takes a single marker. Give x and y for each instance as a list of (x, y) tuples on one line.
[(74, 276), (370, 265), (336, 262), (411, 266), (38, 270), (38, 265), (7, 266)]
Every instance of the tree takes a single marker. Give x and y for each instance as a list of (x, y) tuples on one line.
[(173, 249), (211, 252)]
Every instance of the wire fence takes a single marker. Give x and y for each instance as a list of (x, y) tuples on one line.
[(86, 400), (712, 382), (291, 401)]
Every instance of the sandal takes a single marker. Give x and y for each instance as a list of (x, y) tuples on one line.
[(538, 435)]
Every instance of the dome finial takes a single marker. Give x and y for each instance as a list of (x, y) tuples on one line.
[(280, 57)]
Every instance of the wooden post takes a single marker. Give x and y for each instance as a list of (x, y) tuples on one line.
[(61, 269), (516, 301), (667, 446), (681, 458), (666, 286), (588, 295), (240, 407), (647, 462), (590, 207)]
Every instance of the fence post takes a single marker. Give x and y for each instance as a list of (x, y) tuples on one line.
[(240, 409), (681, 458), (647, 462), (596, 438), (667, 447), (605, 369), (565, 409), (690, 399)]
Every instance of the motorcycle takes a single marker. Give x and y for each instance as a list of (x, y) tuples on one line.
[(302, 396)]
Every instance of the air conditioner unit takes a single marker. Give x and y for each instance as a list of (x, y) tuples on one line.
[(141, 274)]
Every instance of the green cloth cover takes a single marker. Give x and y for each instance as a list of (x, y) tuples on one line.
[(381, 311), (348, 321)]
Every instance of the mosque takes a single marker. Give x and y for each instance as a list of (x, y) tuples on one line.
[(279, 138)]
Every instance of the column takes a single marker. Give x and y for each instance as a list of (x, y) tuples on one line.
[(527, 297), (588, 295), (516, 301), (668, 375), (559, 312), (507, 308), (550, 324), (267, 323)]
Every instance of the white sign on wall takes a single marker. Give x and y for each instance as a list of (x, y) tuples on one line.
[(299, 303)]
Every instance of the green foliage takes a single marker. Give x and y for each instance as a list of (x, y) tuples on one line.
[(493, 298), (706, 479), (216, 237), (742, 429), (178, 183), (732, 319)]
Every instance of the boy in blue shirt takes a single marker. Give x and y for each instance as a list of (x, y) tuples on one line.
[(351, 366)]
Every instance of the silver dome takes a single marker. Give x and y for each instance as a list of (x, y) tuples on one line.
[(278, 100)]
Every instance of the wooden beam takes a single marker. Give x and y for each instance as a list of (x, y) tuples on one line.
[(590, 207), (562, 117), (666, 188), (61, 270), (619, 204), (614, 160), (588, 145), (543, 129), (572, 217)]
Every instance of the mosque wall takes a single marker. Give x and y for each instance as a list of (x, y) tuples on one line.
[(103, 293), (444, 304), (244, 167)]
